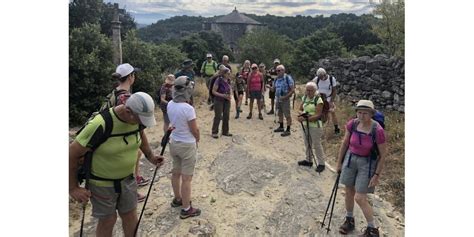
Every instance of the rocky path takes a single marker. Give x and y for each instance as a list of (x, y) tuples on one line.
[(246, 185)]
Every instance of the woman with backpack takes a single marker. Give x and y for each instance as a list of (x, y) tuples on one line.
[(244, 72), (311, 110), (239, 88), (360, 163), (255, 88), (165, 97), (222, 95)]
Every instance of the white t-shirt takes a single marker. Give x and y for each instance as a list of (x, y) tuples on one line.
[(180, 114), (324, 87)]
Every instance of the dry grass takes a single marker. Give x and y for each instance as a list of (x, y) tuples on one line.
[(392, 184)]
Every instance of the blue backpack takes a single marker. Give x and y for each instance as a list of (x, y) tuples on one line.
[(380, 118)]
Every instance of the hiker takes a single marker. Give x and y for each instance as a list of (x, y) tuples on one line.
[(312, 107), (244, 72), (284, 88), (225, 62), (361, 170), (272, 74), (239, 88), (263, 71), (187, 70), (213, 80), (125, 75), (165, 98), (114, 160), (222, 91), (208, 69), (327, 85), (183, 146), (255, 88)]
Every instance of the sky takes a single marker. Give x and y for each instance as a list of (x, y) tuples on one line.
[(150, 11)]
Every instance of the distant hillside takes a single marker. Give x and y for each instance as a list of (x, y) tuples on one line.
[(353, 29)]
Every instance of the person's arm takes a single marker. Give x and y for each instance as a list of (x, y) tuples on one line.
[(76, 151), (380, 165), (194, 129), (343, 150), (333, 91), (163, 97), (150, 156), (262, 84)]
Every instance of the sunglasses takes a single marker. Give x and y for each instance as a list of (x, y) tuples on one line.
[(254, 68), (279, 70)]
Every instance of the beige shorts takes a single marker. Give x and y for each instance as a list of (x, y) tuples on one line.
[(184, 157), (332, 106)]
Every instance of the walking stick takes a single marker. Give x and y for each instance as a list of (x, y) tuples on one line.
[(309, 140), (333, 199), (164, 141)]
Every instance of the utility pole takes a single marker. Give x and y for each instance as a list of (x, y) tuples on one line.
[(116, 39)]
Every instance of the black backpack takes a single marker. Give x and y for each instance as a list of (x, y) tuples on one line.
[(97, 139), (324, 113)]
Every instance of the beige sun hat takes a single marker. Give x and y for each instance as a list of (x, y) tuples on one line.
[(365, 104), (169, 79)]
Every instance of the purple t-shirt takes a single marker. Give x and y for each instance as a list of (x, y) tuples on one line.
[(223, 87), (360, 143)]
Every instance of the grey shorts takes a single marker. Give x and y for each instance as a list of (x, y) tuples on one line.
[(184, 157), (106, 202), (284, 108), (256, 95), (357, 174)]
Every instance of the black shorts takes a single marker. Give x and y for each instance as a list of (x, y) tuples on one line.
[(271, 94), (236, 94)]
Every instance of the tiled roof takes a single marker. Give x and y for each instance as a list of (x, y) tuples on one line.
[(236, 17)]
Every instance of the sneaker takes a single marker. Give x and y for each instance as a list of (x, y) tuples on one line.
[(176, 203), (370, 232), (337, 131), (227, 134), (140, 197), (190, 213), (271, 112), (215, 136), (305, 163), (285, 133), (320, 168), (347, 226), (279, 130), (260, 116), (142, 181), (250, 116)]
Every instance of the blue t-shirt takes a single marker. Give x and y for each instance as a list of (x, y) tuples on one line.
[(283, 85), (189, 74)]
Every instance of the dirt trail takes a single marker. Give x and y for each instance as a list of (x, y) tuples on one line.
[(246, 185)]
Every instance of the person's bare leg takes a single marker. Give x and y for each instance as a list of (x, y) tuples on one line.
[(251, 106), (349, 199), (361, 199), (186, 190), (129, 222), (176, 184), (259, 106), (105, 226)]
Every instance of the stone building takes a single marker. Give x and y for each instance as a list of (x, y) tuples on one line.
[(232, 27)]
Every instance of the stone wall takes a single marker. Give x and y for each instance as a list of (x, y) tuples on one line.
[(379, 78)]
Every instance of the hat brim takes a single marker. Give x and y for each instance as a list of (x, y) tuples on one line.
[(363, 107), (136, 69), (147, 120)]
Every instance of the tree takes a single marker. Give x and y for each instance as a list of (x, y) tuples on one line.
[(264, 45), (320, 44), (90, 69), (169, 58), (391, 27)]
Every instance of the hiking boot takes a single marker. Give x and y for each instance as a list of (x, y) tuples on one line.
[(305, 163), (227, 134), (240, 111), (215, 136), (271, 112), (237, 116), (250, 116), (260, 116), (190, 213), (176, 203), (140, 197), (285, 133), (320, 168), (279, 130), (370, 232), (142, 181), (347, 226)]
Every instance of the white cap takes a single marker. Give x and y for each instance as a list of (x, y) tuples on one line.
[(124, 69), (208, 55), (276, 60), (142, 105)]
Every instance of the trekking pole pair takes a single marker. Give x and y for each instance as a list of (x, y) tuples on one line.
[(333, 199), (164, 141)]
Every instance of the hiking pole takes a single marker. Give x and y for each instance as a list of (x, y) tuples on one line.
[(333, 199), (308, 139), (164, 141)]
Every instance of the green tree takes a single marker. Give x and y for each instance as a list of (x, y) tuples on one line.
[(168, 57), (310, 49), (264, 45), (391, 27), (90, 68), (368, 50)]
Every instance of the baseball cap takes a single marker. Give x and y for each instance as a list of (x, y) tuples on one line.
[(125, 69), (208, 55), (142, 105), (276, 60)]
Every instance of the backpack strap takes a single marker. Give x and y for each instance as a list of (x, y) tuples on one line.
[(374, 148), (214, 64)]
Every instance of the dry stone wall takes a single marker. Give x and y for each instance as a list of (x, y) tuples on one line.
[(379, 78)]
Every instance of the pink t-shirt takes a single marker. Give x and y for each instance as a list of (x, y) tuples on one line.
[(255, 81), (360, 142)]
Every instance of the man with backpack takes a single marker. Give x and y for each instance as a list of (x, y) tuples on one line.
[(327, 86), (110, 142), (187, 70), (284, 88), (208, 69)]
